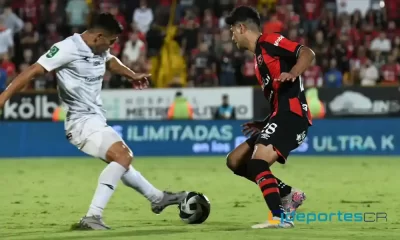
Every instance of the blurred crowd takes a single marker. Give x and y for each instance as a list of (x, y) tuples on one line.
[(357, 47)]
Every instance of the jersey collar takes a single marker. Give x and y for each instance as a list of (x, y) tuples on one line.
[(84, 49)]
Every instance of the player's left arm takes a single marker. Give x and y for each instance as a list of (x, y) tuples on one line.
[(279, 46), (304, 60), (114, 65)]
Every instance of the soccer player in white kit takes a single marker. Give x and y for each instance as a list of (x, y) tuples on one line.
[(80, 62)]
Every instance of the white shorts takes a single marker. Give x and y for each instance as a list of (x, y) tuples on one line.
[(92, 136)]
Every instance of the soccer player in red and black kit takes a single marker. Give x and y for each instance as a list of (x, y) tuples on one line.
[(279, 63)]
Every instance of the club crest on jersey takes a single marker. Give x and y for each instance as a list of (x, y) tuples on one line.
[(259, 59)]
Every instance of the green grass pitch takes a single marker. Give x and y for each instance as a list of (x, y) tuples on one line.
[(41, 198)]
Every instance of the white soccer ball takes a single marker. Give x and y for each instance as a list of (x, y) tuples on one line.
[(195, 208)]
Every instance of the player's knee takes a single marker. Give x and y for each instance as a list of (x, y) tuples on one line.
[(266, 153), (231, 163), (124, 158)]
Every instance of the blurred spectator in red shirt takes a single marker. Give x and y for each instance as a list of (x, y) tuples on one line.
[(312, 77), (274, 25), (54, 12), (190, 16), (166, 3), (392, 7), (369, 33), (391, 72), (116, 48), (312, 12), (30, 10), (8, 66), (143, 17)]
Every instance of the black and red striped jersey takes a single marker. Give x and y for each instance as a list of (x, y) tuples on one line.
[(276, 54)]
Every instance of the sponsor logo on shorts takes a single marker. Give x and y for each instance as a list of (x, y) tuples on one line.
[(300, 137)]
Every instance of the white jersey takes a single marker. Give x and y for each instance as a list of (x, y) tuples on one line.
[(79, 76)]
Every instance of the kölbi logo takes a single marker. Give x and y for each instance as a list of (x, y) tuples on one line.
[(29, 107)]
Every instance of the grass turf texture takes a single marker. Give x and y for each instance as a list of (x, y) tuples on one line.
[(42, 198)]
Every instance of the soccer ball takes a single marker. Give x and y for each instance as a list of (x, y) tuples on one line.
[(195, 208)]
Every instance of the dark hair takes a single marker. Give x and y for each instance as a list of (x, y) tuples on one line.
[(107, 22), (243, 14)]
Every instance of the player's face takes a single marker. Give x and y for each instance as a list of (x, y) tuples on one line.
[(104, 42), (237, 34)]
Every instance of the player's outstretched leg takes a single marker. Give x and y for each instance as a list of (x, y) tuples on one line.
[(237, 162), (158, 199), (120, 158), (258, 168)]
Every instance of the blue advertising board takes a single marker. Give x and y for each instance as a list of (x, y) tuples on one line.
[(188, 138)]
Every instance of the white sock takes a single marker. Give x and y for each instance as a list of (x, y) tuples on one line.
[(107, 183), (135, 180)]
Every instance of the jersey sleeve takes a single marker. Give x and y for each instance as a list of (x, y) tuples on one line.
[(57, 56), (277, 45)]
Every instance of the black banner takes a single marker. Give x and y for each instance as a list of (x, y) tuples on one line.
[(347, 102), (30, 107)]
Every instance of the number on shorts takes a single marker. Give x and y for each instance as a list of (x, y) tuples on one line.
[(270, 128)]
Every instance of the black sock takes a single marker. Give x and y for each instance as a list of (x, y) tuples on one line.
[(284, 189), (241, 170), (258, 170)]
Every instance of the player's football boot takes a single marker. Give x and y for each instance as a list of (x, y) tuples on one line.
[(294, 200), (276, 222), (168, 199), (91, 223)]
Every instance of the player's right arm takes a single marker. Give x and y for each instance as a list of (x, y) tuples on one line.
[(56, 57), (21, 81)]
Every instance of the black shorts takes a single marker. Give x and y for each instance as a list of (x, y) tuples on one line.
[(285, 132)]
